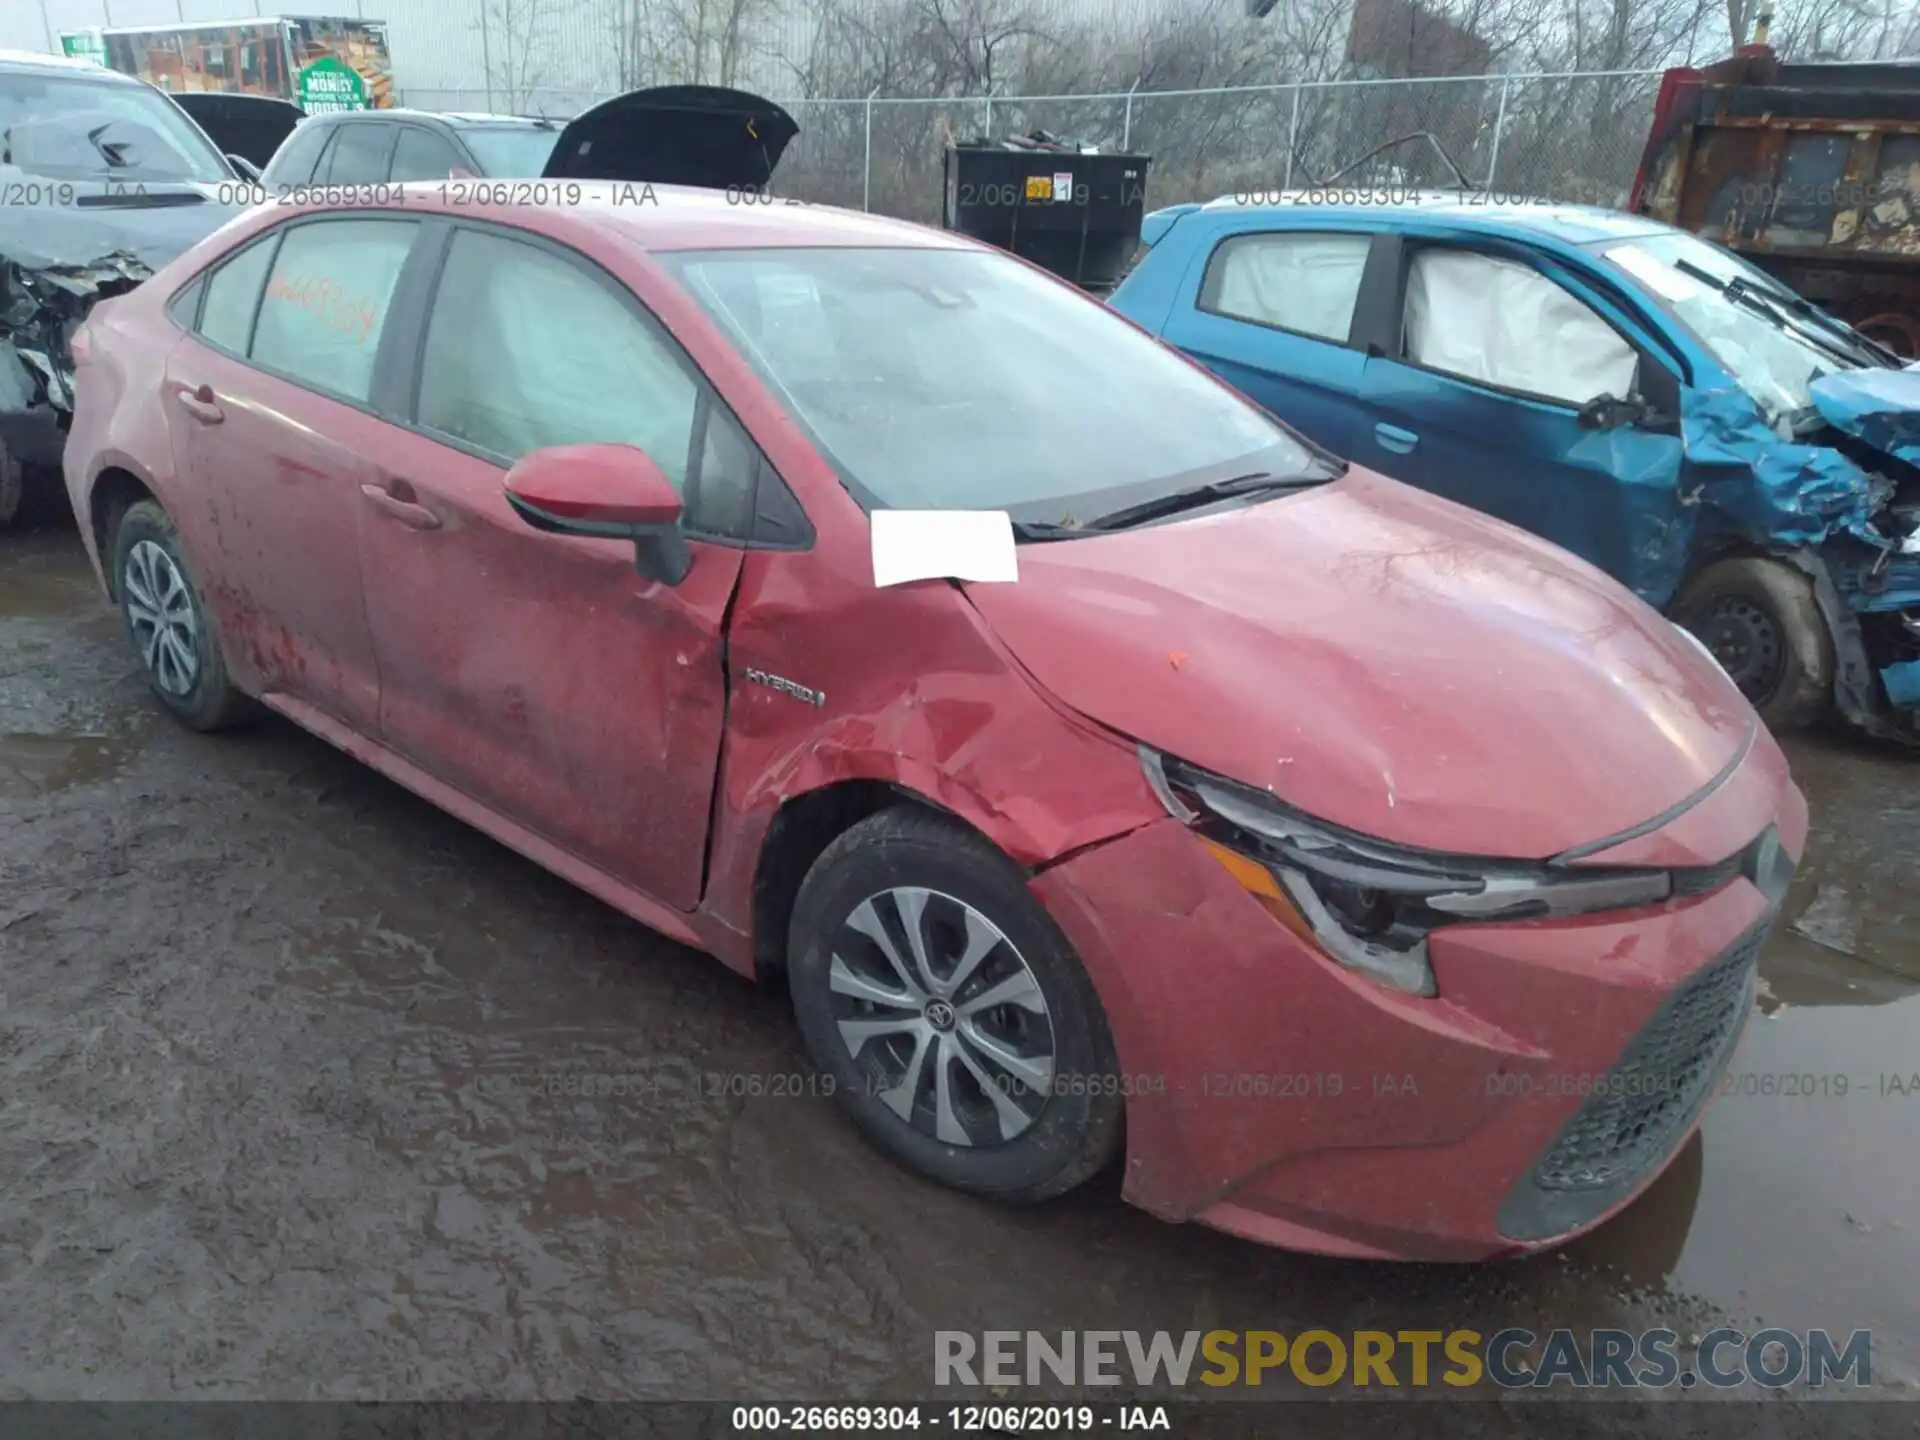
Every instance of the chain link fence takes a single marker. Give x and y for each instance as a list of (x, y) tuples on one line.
[(1571, 137)]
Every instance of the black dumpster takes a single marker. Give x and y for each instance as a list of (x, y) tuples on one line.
[(1075, 214)]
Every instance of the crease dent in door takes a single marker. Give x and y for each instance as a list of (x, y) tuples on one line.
[(547, 679), (717, 794), (1659, 520), (712, 660)]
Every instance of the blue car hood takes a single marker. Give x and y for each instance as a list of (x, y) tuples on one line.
[(1879, 407)]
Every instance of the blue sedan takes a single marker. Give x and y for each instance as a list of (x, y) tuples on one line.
[(1634, 393)]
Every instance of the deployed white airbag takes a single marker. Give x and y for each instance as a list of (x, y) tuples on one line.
[(1505, 324), (1306, 283)]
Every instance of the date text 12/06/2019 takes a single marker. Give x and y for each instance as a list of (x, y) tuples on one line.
[(957, 1419)]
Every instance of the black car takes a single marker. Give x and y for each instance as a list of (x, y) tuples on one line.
[(671, 135), (249, 128), (370, 147), (105, 179)]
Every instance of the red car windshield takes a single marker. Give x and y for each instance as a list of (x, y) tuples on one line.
[(960, 380)]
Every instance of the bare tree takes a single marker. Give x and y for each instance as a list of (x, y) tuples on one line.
[(1740, 18), (1830, 29), (1278, 112), (973, 43), (516, 38), (689, 42)]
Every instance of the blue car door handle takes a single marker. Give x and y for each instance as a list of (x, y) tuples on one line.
[(1401, 442)]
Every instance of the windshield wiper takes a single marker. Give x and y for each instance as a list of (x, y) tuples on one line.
[(1838, 329), (1863, 347), (1745, 293), (1163, 505), (1045, 530), (109, 151)]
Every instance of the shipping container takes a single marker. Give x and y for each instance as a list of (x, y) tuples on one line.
[(319, 63)]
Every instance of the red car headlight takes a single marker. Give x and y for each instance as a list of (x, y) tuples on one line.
[(1368, 904)]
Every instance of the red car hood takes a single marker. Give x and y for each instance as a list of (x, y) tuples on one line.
[(1385, 660)]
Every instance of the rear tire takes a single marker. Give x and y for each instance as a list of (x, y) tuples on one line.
[(1016, 1099), (1762, 623), (169, 624), (13, 488)]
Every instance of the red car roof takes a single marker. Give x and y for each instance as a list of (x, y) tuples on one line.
[(672, 217)]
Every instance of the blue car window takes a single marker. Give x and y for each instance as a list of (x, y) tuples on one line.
[(1304, 282), (1504, 324)]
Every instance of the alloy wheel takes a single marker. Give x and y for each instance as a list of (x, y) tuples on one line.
[(160, 613), (943, 1016)]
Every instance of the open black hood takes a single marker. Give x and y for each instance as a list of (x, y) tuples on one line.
[(676, 135), (250, 126)]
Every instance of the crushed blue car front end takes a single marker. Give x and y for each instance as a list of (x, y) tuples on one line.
[(1875, 415), (1833, 489), (1840, 498)]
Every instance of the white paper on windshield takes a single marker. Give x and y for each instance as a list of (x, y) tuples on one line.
[(778, 289), (1063, 185), (942, 545), (1659, 277)]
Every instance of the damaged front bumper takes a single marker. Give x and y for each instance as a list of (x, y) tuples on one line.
[(1871, 600), (1842, 506), (1279, 1096), (1879, 411), (100, 238), (40, 308)]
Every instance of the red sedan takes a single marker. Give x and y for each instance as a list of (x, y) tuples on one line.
[(1102, 768)]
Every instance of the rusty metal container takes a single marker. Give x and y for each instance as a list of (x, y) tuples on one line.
[(1810, 171)]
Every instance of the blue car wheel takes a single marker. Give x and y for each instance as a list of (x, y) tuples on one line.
[(1760, 620)]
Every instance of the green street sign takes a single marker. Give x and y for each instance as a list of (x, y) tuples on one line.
[(86, 45), (329, 83)]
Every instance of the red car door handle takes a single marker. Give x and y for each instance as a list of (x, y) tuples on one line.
[(417, 517), (201, 405)]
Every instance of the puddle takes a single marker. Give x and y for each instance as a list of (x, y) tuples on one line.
[(30, 587), (1849, 919), (44, 764), (363, 960), (1808, 1211), (1799, 1203)]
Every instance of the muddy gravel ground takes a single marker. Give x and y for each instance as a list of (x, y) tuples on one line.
[(275, 1037)]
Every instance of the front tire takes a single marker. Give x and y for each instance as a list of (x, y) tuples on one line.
[(168, 622), (962, 1034), (1762, 623)]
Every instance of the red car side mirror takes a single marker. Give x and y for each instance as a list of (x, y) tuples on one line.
[(612, 491)]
